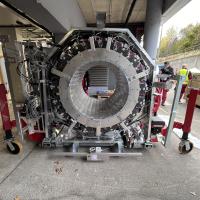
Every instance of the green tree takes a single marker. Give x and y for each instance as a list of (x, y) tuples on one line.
[(168, 41), (173, 42)]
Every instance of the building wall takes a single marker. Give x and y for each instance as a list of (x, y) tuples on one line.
[(192, 62), (192, 59)]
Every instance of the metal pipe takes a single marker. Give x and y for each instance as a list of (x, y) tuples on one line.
[(46, 117)]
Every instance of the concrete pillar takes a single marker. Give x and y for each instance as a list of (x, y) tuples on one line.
[(13, 58), (152, 26)]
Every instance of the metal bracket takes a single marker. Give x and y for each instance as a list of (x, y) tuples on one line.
[(47, 142), (97, 156), (92, 44), (141, 74), (60, 74)]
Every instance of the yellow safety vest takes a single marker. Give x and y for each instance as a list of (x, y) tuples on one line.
[(184, 72)]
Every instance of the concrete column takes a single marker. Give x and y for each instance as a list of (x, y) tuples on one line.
[(13, 58), (152, 26)]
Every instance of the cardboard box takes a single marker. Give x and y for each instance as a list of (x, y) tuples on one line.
[(195, 83), (196, 76)]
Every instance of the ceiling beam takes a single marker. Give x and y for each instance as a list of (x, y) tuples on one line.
[(171, 7), (130, 12), (118, 25), (24, 15), (17, 26)]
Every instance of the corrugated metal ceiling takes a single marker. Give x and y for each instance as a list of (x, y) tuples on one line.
[(116, 10), (9, 18)]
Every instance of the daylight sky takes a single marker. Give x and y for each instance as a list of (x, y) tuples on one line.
[(190, 14)]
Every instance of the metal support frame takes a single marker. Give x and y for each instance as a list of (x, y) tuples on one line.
[(97, 142), (19, 130), (45, 107), (185, 146), (98, 150), (180, 80), (189, 112), (4, 111), (97, 156), (7, 123)]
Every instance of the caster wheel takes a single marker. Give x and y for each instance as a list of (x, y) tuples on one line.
[(185, 147), (148, 145), (17, 147)]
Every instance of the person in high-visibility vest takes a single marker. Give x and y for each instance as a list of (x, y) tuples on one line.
[(184, 72)]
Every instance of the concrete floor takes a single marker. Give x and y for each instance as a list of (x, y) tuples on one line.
[(161, 173)]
